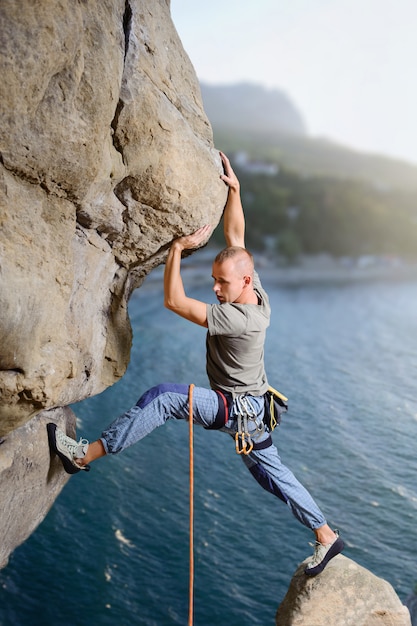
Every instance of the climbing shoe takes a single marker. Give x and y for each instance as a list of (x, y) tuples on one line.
[(322, 555), (67, 449)]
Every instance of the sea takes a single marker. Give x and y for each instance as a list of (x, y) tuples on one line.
[(114, 548)]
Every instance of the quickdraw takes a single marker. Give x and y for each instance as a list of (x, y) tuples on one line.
[(243, 440), (245, 412)]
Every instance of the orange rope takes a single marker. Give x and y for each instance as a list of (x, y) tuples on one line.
[(191, 579)]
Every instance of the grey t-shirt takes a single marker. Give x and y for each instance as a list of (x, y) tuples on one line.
[(235, 344)]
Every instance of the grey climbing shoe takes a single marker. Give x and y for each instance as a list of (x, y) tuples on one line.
[(67, 449), (323, 554)]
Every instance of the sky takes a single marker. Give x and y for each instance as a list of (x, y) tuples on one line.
[(349, 66)]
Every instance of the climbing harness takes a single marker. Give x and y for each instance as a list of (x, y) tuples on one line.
[(275, 403), (191, 479)]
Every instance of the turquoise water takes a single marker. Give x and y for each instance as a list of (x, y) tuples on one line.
[(114, 548)]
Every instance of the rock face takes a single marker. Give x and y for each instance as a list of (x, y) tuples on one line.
[(106, 157), (30, 478), (344, 594)]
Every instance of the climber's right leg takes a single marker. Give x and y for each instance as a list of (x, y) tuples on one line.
[(154, 408)]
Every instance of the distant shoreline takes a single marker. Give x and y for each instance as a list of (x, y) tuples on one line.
[(310, 271), (334, 274)]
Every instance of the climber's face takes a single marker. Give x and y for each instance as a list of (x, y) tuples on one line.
[(230, 282)]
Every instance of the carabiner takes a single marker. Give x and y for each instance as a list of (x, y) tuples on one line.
[(242, 445)]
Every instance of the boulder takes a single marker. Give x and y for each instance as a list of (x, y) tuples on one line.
[(344, 594)]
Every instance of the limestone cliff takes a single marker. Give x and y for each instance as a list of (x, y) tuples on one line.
[(106, 156)]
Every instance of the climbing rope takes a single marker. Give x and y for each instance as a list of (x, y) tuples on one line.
[(191, 478)]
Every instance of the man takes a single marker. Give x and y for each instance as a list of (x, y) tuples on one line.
[(235, 402)]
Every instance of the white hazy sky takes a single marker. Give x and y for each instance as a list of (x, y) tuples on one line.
[(348, 65)]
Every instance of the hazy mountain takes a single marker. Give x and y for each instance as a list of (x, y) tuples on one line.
[(246, 105), (266, 125)]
